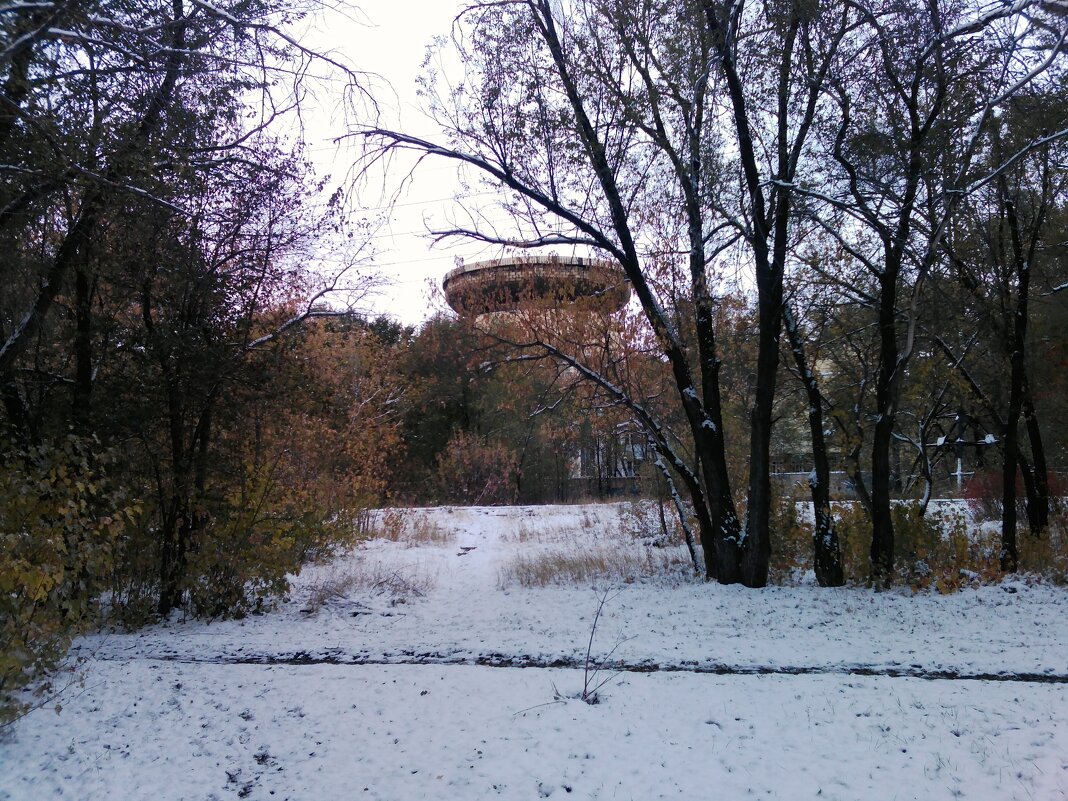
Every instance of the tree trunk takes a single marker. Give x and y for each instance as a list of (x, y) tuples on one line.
[(680, 510), (1031, 500), (176, 521), (723, 551), (882, 539), (83, 349), (758, 521), (170, 590), (19, 421), (1009, 554), (1040, 500), (723, 540), (826, 552), (856, 476)]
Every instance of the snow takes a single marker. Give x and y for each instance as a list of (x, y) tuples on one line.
[(399, 695)]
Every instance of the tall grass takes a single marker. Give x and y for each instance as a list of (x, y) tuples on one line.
[(408, 526), (594, 565)]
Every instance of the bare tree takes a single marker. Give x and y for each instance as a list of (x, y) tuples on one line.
[(919, 76), (597, 119), (995, 252)]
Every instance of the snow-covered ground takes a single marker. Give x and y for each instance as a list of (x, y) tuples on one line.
[(382, 678)]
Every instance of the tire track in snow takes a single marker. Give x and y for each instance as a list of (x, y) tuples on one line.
[(577, 663)]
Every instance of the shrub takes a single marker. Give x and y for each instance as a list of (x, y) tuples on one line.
[(260, 534), (133, 590), (936, 550), (1046, 556), (854, 538), (984, 492), (940, 550), (473, 471), (791, 542), (60, 522), (252, 535)]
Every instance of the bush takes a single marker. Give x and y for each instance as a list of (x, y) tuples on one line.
[(252, 536), (939, 550), (1047, 556), (256, 537), (60, 523), (935, 550), (854, 538), (984, 494), (791, 542), (472, 471)]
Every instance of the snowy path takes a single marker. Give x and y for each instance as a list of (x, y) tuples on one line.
[(320, 705), (1010, 629)]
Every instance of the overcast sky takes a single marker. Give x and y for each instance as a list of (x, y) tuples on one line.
[(390, 39)]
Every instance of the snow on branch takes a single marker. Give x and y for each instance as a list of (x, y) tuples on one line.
[(506, 241), (642, 415), (1015, 157), (996, 11), (1056, 289)]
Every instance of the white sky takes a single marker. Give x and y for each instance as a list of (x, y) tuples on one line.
[(389, 38)]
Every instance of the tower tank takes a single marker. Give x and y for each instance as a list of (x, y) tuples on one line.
[(514, 282)]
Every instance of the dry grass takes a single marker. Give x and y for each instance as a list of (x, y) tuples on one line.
[(597, 563), (340, 581), (631, 521), (529, 533), (533, 528), (1046, 557), (412, 528), (593, 550), (942, 550)]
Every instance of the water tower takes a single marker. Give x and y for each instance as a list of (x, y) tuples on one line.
[(486, 289), (555, 282)]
